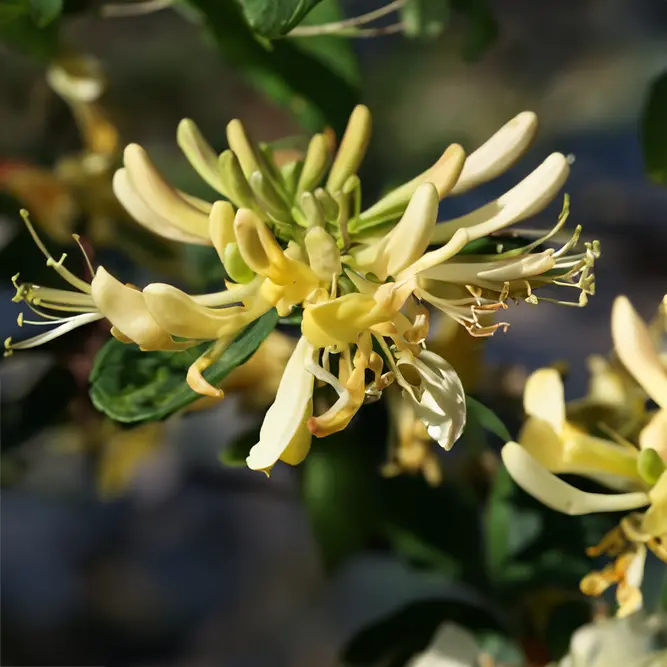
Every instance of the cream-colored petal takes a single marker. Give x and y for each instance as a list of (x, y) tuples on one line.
[(126, 309), (406, 242), (498, 153), (409, 239), (282, 433), (221, 227), (500, 271), (146, 216), (655, 519), (553, 492), (654, 434), (635, 349), (533, 194), (160, 196), (180, 315), (440, 402), (200, 155), (544, 397)]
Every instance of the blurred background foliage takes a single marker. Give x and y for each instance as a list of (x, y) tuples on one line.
[(152, 544)]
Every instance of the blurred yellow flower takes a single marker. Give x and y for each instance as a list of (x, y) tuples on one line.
[(549, 444)]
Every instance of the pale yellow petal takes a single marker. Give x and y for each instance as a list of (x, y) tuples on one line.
[(544, 397), (532, 195), (635, 349), (498, 153), (160, 196), (284, 432), (181, 315), (146, 216), (654, 434), (126, 309), (553, 492), (655, 519)]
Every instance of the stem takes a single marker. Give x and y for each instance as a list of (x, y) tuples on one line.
[(120, 9), (336, 27)]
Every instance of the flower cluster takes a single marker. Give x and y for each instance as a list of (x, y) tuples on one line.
[(293, 235), (631, 459)]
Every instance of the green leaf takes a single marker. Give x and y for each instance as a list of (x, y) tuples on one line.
[(654, 131), (486, 418), (272, 18), (482, 30), (508, 529), (28, 32), (338, 489), (334, 52), (45, 11), (425, 18), (132, 386), (314, 91)]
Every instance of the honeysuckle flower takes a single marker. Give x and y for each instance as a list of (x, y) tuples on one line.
[(616, 642), (294, 235), (548, 444)]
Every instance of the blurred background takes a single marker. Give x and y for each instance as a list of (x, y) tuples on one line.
[(142, 548)]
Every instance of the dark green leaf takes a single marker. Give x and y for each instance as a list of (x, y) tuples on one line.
[(482, 30), (486, 418), (45, 11), (317, 94), (19, 29), (415, 549), (654, 131), (425, 18), (133, 386), (272, 18), (336, 53), (509, 529), (339, 492)]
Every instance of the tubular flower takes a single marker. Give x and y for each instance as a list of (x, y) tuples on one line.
[(549, 444), (294, 235)]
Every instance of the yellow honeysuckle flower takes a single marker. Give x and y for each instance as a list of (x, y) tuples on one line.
[(548, 444), (294, 235)]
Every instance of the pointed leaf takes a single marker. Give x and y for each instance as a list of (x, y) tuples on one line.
[(132, 386)]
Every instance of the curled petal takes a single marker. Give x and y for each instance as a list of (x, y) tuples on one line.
[(498, 153), (284, 434), (127, 311), (146, 216), (553, 492), (160, 196), (440, 398), (180, 315), (635, 349), (529, 197)]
